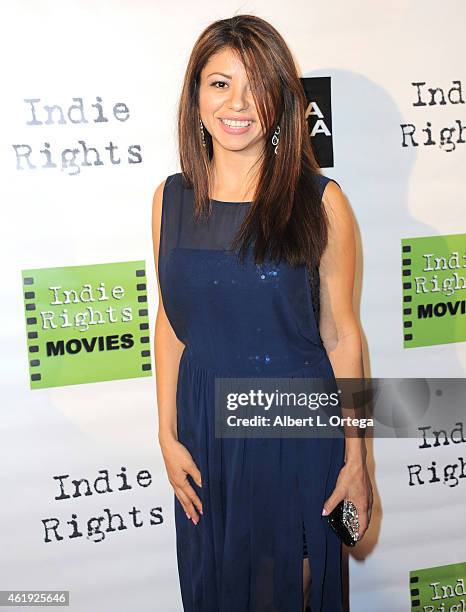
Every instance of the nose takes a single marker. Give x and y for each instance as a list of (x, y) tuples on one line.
[(238, 97)]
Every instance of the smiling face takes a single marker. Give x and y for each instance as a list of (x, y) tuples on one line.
[(226, 104)]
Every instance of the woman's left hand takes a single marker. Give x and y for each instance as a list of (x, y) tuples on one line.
[(353, 483)]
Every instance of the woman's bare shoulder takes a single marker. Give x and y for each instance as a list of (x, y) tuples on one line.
[(157, 201), (158, 196)]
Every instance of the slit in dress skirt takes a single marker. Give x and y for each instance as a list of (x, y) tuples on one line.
[(305, 551)]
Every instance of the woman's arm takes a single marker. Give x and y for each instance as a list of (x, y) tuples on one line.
[(341, 336), (339, 328), (168, 349)]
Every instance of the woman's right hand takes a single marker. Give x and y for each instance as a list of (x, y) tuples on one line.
[(179, 463)]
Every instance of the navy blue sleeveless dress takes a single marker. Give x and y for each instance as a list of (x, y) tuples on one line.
[(261, 496)]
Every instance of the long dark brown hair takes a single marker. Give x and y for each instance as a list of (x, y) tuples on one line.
[(286, 219)]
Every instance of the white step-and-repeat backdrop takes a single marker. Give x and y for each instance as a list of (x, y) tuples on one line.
[(88, 131)]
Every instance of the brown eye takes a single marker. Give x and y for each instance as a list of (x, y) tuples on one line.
[(218, 82)]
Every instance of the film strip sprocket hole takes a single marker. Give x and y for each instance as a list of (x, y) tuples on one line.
[(407, 297), (143, 313), (31, 325)]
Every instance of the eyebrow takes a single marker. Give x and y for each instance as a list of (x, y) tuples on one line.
[(222, 73)]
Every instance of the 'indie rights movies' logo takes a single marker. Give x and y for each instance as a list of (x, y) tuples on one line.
[(438, 589), (434, 290), (86, 323)]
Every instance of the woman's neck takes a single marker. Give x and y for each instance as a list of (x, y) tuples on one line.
[(232, 183)]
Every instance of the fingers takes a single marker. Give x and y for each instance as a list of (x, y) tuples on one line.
[(364, 517), (334, 499), (363, 523), (188, 506), (188, 499), (194, 472)]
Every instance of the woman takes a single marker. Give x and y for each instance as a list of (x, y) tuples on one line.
[(242, 238)]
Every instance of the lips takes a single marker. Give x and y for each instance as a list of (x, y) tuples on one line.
[(235, 130)]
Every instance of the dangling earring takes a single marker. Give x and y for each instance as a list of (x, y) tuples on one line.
[(202, 132), (275, 138)]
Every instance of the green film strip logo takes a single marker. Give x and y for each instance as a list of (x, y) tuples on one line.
[(86, 323), (433, 272), (438, 588)]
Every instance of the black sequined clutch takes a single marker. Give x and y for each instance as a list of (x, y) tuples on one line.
[(344, 521)]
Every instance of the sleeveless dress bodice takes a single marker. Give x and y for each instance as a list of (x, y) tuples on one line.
[(266, 314), (245, 320)]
